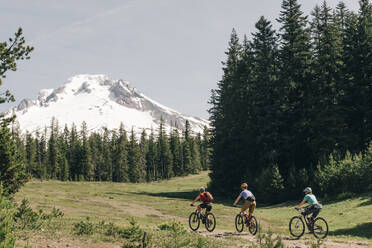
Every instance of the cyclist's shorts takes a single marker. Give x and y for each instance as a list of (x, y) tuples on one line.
[(249, 204), (207, 206)]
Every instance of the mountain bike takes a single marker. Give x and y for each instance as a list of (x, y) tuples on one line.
[(242, 220), (319, 227), (207, 219)]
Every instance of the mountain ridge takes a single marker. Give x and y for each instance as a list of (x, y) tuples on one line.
[(101, 102)]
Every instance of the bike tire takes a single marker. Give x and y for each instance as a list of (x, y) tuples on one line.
[(210, 222), (320, 228), (296, 227), (239, 223), (194, 221), (253, 225)]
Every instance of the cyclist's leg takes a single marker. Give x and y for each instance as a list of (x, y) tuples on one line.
[(208, 208), (252, 207), (315, 212), (199, 207), (245, 207)]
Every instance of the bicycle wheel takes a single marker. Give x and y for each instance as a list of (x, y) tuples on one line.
[(239, 223), (253, 225), (210, 222), (194, 221), (320, 228), (296, 226)]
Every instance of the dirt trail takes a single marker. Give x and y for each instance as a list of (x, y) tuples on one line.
[(288, 241), (44, 242)]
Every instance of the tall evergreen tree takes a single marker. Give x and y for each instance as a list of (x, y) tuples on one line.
[(85, 154), (176, 151), (120, 154), (164, 154), (133, 159), (106, 155), (53, 167), (295, 80), (151, 161), (143, 145), (30, 154), (221, 117), (204, 150)]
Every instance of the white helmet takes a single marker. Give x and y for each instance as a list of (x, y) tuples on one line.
[(307, 190), (202, 189)]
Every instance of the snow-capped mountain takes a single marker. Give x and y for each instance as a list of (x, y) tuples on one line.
[(100, 102)]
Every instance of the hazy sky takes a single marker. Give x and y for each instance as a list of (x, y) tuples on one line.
[(170, 50)]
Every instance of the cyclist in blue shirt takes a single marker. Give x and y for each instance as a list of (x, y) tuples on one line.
[(314, 206)]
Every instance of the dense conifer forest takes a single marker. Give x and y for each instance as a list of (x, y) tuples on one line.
[(111, 155), (294, 104)]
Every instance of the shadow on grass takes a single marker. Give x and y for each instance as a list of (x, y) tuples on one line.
[(362, 230), (187, 195), (366, 203)]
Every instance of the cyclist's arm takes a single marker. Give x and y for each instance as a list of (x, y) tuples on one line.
[(237, 199), (195, 200), (302, 203)]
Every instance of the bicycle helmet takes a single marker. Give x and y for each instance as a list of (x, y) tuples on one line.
[(244, 186), (202, 189), (307, 190)]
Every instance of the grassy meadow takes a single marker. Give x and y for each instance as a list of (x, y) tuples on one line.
[(152, 204)]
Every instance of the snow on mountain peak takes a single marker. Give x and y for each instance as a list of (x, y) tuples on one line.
[(100, 102)]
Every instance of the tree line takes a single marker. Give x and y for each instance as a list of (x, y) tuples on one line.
[(290, 97), (111, 155)]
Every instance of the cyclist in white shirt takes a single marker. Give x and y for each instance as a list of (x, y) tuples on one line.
[(250, 200)]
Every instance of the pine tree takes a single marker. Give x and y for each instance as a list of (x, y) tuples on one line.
[(106, 155), (204, 150), (85, 154), (164, 153), (53, 167), (186, 151), (7, 210), (95, 143), (357, 85), (195, 156), (151, 168), (42, 156), (175, 148), (120, 154), (263, 110), (143, 151), (222, 119), (74, 154), (12, 172), (295, 79), (133, 159), (30, 154)]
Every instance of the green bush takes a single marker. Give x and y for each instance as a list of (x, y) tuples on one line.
[(84, 227), (6, 222), (26, 218), (172, 226), (267, 241), (351, 174)]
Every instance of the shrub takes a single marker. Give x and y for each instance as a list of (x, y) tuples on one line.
[(25, 217), (84, 227), (6, 222), (267, 241), (351, 174)]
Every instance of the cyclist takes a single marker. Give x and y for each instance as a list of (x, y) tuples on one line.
[(250, 200), (206, 199), (314, 207)]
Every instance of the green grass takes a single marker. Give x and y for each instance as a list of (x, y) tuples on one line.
[(154, 203)]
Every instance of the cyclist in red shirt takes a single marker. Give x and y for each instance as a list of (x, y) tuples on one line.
[(206, 199)]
